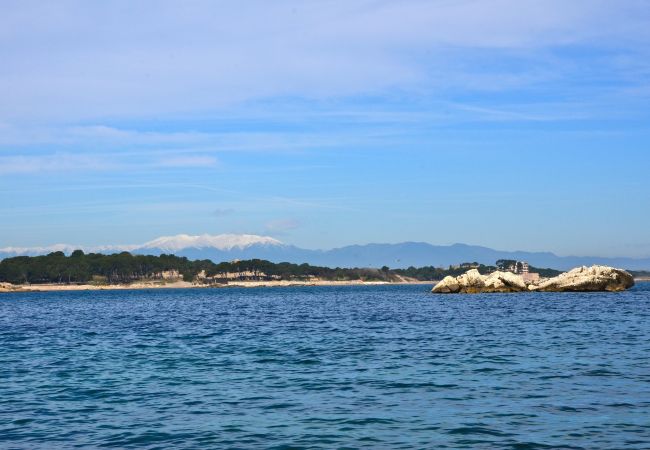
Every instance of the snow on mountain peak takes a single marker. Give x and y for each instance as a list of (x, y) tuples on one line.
[(66, 248), (219, 241), (165, 243)]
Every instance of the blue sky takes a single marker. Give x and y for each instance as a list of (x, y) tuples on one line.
[(511, 124)]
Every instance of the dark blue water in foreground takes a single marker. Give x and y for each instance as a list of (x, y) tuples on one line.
[(353, 367)]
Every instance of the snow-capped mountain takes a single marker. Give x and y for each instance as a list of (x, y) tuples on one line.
[(221, 247), (7, 252), (227, 247), (180, 244), (224, 242)]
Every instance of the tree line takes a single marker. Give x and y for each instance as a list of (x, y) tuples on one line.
[(124, 267)]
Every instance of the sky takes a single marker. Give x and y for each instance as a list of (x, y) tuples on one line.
[(514, 124)]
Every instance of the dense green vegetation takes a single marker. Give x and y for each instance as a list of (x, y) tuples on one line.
[(290, 271), (81, 268), (125, 267)]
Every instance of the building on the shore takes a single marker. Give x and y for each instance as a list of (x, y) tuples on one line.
[(530, 277), (522, 268)]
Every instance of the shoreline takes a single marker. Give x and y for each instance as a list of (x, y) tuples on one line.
[(7, 288), (12, 288)]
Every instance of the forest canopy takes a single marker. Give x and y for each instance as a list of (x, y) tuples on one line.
[(124, 267)]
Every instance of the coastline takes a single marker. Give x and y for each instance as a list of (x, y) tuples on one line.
[(8, 288)]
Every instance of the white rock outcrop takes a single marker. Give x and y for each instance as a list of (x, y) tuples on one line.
[(580, 279), (585, 279), (448, 285), (473, 282), (505, 282)]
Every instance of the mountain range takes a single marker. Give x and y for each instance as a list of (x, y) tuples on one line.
[(227, 247)]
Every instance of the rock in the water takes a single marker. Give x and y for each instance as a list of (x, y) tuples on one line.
[(581, 279), (448, 285), (473, 282), (586, 279), (505, 282)]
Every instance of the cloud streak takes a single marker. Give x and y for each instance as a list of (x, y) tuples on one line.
[(120, 118), (280, 226), (161, 59), (188, 161), (58, 162)]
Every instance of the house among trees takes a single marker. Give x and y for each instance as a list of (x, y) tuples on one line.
[(518, 267)]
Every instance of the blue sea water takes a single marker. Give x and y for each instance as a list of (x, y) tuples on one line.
[(324, 367)]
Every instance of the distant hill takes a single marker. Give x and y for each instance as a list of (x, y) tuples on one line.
[(229, 247)]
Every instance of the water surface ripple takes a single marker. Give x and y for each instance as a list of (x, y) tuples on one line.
[(324, 367)]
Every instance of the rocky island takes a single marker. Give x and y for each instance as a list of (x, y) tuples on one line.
[(580, 279)]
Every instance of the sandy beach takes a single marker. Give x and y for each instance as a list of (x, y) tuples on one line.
[(7, 287)]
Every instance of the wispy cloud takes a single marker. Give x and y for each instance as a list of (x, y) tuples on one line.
[(280, 226), (58, 162), (222, 212), (208, 57), (328, 110), (72, 162), (188, 161)]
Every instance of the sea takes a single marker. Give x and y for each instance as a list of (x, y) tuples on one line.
[(387, 367)]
